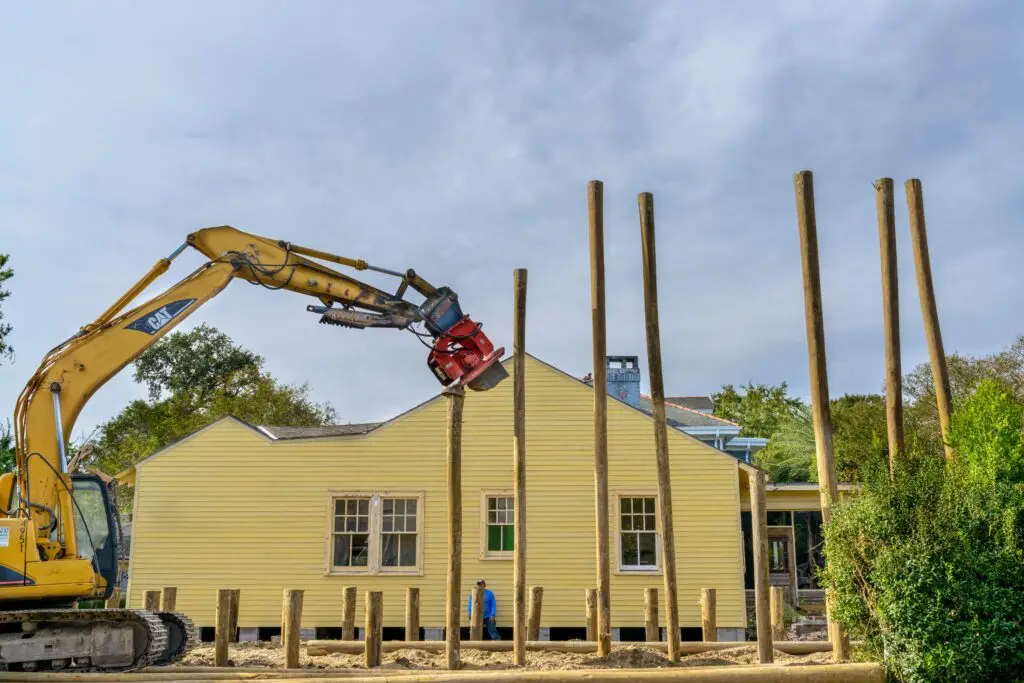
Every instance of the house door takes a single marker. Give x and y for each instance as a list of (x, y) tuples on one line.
[(782, 560)]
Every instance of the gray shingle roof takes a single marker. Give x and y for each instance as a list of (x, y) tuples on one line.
[(322, 432), (678, 416), (692, 402)]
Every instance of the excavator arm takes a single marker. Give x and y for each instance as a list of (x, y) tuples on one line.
[(40, 493)]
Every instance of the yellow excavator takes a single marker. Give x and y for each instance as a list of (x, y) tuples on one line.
[(59, 530)]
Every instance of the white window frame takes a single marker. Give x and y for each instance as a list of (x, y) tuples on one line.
[(654, 569), (486, 554), (374, 566)]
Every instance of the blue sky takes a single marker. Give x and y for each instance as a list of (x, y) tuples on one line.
[(457, 138)]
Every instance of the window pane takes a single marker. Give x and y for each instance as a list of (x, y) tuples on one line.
[(493, 538), (647, 554), (492, 517), (649, 505), (410, 506), (364, 507), (339, 523), (410, 523), (350, 523), (492, 503), (508, 538), (363, 525), (339, 507), (399, 523), (649, 523), (407, 556), (342, 550), (360, 550), (389, 507), (502, 503), (625, 506), (389, 550), (629, 550), (351, 507), (388, 524), (627, 522)]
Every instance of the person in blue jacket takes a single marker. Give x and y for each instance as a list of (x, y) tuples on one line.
[(490, 609)]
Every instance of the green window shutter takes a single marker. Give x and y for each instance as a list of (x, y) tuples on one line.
[(493, 537), (508, 537)]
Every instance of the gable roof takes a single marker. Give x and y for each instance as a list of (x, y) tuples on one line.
[(334, 431), (699, 403), (679, 416)]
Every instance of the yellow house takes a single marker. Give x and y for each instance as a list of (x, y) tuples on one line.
[(263, 509)]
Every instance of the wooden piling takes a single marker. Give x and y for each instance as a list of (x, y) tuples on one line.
[(891, 319), (348, 613), (929, 309), (592, 615), (412, 613), (536, 603), (651, 627), (168, 599), (236, 596), (645, 200), (709, 615), (221, 621), (759, 523), (151, 601), (519, 615), (778, 600), (291, 624), (820, 413), (374, 627), (595, 210), (476, 618), (456, 396)]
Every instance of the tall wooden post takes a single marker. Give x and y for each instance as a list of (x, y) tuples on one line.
[(891, 319), (519, 467), (778, 601), (236, 596), (595, 209), (668, 539), (651, 626), (476, 618), (151, 601), (709, 615), (820, 413), (222, 620), (759, 523), (169, 599), (291, 625), (456, 395), (929, 309), (591, 615), (412, 613), (348, 613), (536, 603), (374, 627)]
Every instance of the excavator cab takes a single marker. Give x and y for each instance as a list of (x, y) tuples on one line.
[(96, 526)]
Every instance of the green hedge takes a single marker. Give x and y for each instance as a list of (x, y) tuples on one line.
[(929, 570)]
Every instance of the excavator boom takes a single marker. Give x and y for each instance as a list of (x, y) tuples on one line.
[(57, 536)]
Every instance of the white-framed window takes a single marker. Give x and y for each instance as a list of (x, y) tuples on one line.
[(375, 532), (638, 545), (497, 525)]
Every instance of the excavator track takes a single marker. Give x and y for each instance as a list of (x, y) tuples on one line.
[(150, 637), (181, 636)]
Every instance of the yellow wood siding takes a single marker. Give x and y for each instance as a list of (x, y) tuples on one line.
[(229, 508)]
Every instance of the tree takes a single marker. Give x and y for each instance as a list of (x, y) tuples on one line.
[(6, 273), (758, 410), (193, 379), (6, 448)]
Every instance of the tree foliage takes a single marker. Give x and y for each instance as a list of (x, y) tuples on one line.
[(929, 569), (6, 273), (759, 409), (6, 448), (193, 379)]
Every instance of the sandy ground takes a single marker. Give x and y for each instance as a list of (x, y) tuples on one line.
[(270, 655)]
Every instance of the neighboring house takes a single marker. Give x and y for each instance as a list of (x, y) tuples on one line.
[(689, 414), (263, 509)]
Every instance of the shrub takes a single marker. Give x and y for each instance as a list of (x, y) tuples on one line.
[(929, 569)]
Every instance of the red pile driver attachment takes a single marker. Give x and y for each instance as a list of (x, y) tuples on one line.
[(462, 353)]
